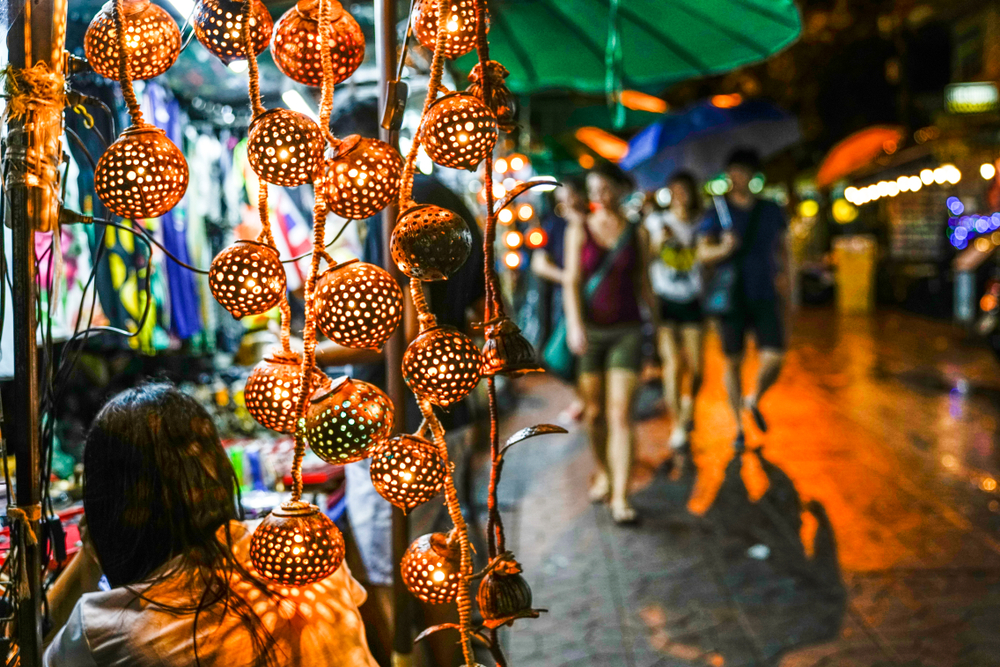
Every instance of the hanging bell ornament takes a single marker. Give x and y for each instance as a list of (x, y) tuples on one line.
[(430, 242), (408, 471), (500, 101), (459, 131), (152, 40), (142, 174), (247, 278), (362, 178), (358, 305), (507, 351), (270, 391), (442, 365), (460, 37), (218, 25), (296, 545), (431, 568), (504, 595), (285, 147), (295, 46), (347, 419)]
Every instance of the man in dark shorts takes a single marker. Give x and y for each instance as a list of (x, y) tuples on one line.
[(752, 245)]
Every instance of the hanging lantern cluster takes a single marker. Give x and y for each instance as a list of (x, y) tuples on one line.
[(358, 305), (247, 278), (218, 25), (270, 391), (362, 178), (430, 242), (296, 45), (460, 26), (442, 365), (408, 471), (431, 568), (285, 147), (152, 40), (347, 419), (296, 545), (459, 131)]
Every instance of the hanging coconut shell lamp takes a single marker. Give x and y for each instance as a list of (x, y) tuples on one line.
[(507, 351), (296, 545), (362, 177), (142, 174), (431, 568), (296, 48), (460, 26), (285, 147), (459, 131), (247, 278), (152, 40), (358, 305), (347, 419), (408, 471), (218, 25), (442, 365), (430, 242), (269, 394)]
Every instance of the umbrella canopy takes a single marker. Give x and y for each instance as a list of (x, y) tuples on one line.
[(700, 138), (550, 44), (857, 151)]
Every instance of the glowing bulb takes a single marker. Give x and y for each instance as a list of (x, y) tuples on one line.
[(952, 174), (438, 576), (499, 190), (926, 176), (915, 183), (982, 244), (903, 183), (505, 216), (809, 208), (525, 212), (892, 189), (516, 163), (850, 194), (987, 170), (940, 175), (500, 166), (513, 239), (239, 66), (535, 238), (512, 260)]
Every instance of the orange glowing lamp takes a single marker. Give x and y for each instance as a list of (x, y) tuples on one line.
[(536, 238)]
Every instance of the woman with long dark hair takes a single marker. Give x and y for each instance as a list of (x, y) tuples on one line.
[(161, 501), (605, 285)]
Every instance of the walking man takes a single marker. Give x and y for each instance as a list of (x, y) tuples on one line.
[(744, 234)]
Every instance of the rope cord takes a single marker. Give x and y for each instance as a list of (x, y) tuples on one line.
[(248, 50), (326, 60), (124, 75)]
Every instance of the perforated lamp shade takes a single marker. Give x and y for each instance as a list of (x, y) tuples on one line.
[(295, 46), (442, 365), (270, 391), (459, 131), (430, 242), (247, 278), (347, 419), (358, 305), (142, 174), (152, 40), (431, 569), (408, 471), (285, 147), (362, 178), (296, 545), (460, 35), (218, 25)]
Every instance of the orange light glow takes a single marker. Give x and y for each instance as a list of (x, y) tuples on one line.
[(513, 239), (988, 303), (633, 99), (525, 212), (605, 144), (512, 260), (727, 101), (517, 162), (536, 238), (505, 216), (586, 161)]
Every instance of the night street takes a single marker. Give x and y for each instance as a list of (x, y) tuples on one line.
[(861, 530)]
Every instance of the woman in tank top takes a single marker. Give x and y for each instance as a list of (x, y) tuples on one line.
[(604, 329)]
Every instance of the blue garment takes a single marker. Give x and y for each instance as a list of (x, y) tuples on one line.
[(554, 227), (757, 264)]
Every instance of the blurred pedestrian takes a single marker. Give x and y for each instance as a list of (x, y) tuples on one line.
[(605, 278), (676, 279), (749, 232)]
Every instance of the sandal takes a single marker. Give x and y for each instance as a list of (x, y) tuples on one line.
[(623, 514)]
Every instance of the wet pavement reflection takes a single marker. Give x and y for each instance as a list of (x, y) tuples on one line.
[(862, 529)]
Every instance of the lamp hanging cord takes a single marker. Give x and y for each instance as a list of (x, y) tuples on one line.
[(124, 75), (326, 61), (251, 56)]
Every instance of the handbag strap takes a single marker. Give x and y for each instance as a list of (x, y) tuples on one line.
[(604, 269)]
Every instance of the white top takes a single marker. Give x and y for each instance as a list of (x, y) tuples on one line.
[(674, 272), (313, 625)]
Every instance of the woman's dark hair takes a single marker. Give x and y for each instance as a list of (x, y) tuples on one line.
[(613, 173), (158, 485), (687, 179)]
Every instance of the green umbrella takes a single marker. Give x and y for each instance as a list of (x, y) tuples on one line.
[(606, 45)]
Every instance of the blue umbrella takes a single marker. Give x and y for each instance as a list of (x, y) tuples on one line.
[(700, 138)]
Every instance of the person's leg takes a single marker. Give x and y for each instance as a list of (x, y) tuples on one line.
[(769, 332), (622, 385), (670, 356), (732, 329), (591, 392), (691, 339)]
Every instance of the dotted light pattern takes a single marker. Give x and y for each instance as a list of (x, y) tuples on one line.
[(247, 278), (430, 242), (442, 365), (358, 305), (142, 174), (270, 391), (362, 178), (218, 25), (285, 147), (295, 46), (459, 131), (461, 27), (408, 471), (430, 569), (347, 420), (296, 545), (152, 40)]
